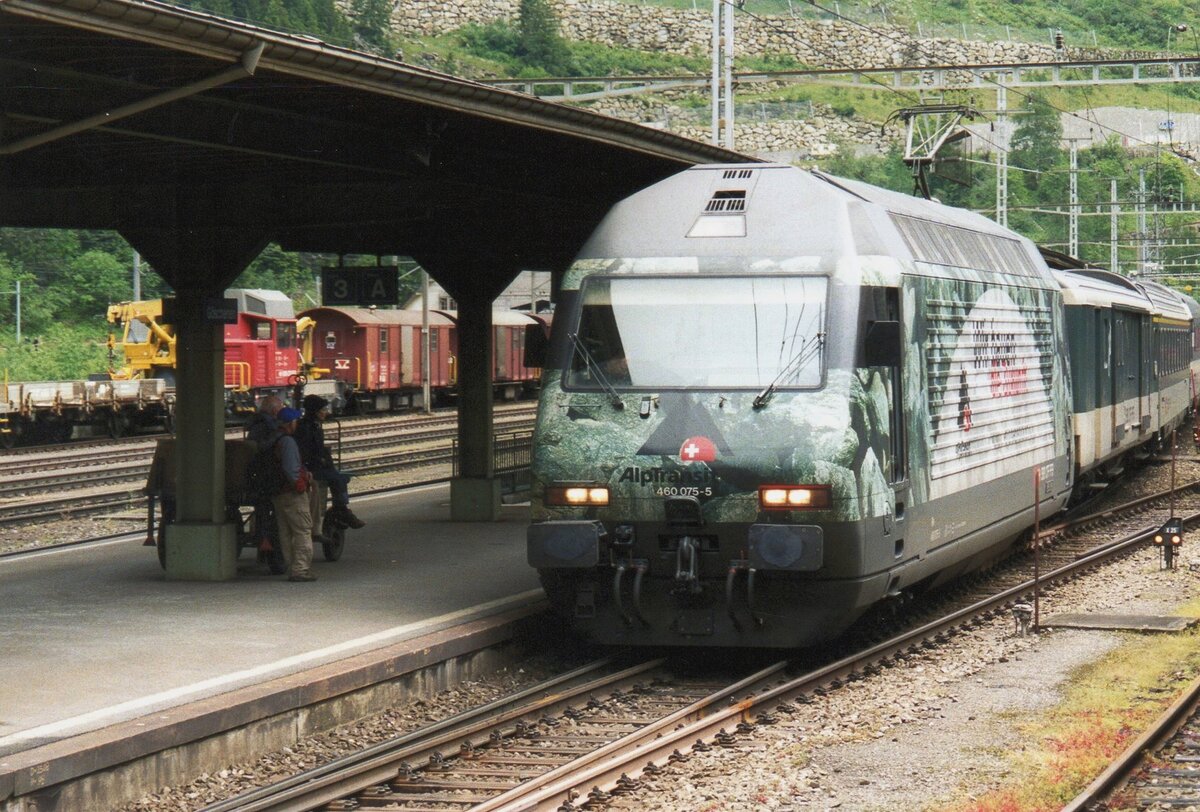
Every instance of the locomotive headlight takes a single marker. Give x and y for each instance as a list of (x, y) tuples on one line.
[(577, 495), (795, 497)]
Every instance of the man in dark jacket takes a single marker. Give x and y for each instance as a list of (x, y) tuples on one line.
[(310, 436), (264, 430), (263, 427)]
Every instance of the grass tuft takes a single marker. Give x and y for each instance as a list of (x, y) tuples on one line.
[(1105, 705)]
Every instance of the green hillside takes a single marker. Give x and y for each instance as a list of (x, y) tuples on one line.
[(1115, 23)]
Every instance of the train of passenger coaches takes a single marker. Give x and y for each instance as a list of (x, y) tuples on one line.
[(774, 398)]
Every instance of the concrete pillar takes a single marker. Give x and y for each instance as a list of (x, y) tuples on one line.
[(475, 492), (199, 263), (201, 544)]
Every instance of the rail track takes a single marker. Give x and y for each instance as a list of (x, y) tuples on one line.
[(69, 481), (1160, 769), (568, 750), (149, 438)]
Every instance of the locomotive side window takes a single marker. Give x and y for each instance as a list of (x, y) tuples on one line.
[(713, 332), (285, 336), (262, 330)]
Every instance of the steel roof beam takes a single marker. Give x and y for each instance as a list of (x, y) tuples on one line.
[(245, 68), (311, 59)]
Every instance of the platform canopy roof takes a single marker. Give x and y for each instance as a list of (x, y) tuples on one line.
[(190, 133)]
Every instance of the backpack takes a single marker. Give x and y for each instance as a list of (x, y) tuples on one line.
[(265, 477)]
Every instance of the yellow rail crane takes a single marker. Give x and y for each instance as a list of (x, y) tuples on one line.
[(305, 330), (147, 343)]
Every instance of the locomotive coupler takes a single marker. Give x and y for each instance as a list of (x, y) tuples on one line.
[(639, 568), (622, 541), (687, 566), (735, 566), (750, 573)]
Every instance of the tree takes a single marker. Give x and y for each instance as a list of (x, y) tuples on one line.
[(88, 284), (276, 269), (373, 25), (1036, 138), (541, 44)]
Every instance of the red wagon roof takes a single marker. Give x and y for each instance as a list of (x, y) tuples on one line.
[(365, 316)]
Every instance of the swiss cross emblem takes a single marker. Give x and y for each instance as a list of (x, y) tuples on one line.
[(697, 449)]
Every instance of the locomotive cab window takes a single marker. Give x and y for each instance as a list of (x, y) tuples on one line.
[(262, 330), (136, 332), (285, 336), (707, 331)]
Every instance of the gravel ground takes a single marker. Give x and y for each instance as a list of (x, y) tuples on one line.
[(939, 731), (936, 730), (316, 750), (889, 742)]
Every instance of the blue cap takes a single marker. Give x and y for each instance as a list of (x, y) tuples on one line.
[(288, 414)]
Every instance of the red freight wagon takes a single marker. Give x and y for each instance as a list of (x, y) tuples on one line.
[(509, 374), (374, 356)]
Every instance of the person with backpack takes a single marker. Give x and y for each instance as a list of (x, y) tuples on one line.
[(310, 436), (292, 512), (263, 430)]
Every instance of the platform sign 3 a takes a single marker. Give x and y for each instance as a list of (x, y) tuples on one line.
[(361, 286)]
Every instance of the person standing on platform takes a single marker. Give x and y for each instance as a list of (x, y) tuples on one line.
[(263, 428), (317, 458), (292, 512)]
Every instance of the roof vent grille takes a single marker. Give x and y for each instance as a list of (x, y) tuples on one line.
[(732, 200), (737, 174)]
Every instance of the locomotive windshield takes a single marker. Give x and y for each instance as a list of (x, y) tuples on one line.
[(699, 331)]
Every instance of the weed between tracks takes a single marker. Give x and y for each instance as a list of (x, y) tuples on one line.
[(1105, 705)]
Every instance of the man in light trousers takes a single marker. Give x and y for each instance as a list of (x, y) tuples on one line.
[(292, 513)]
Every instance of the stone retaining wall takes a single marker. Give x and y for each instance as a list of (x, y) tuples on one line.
[(818, 133), (689, 32)]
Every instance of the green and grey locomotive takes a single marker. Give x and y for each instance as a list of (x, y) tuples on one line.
[(773, 398)]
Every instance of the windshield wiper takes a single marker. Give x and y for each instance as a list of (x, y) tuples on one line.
[(609, 389), (808, 350)]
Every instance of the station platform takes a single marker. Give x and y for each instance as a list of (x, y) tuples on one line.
[(97, 644)]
